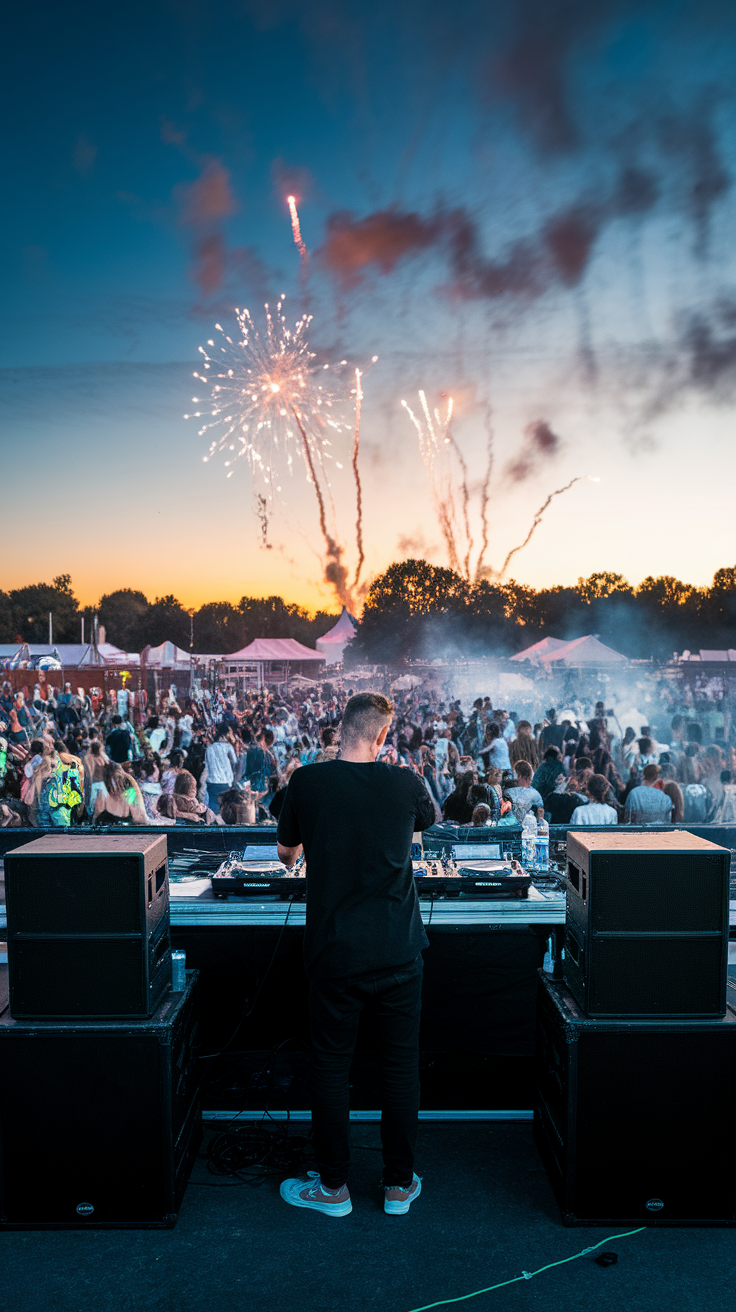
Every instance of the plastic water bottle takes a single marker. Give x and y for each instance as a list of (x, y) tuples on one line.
[(529, 840), (542, 855), (178, 971)]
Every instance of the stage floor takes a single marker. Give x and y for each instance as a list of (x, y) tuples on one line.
[(486, 1214)]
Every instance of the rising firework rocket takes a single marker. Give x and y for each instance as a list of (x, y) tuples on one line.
[(296, 229)]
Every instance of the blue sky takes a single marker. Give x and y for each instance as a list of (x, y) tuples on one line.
[(527, 205)]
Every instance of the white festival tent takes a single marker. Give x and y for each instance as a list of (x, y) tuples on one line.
[(539, 650), (584, 651), (333, 643)]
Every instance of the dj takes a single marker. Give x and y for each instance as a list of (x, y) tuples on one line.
[(354, 818)]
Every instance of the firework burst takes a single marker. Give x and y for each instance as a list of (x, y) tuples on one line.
[(273, 404)]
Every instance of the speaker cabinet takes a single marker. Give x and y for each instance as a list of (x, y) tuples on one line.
[(647, 924), (632, 1119), (99, 1123), (88, 926)]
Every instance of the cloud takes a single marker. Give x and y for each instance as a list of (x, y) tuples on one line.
[(382, 239), (540, 445), (209, 199), (85, 154), (557, 253)]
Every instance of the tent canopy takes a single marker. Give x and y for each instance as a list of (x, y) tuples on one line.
[(585, 651), (166, 656), (539, 649), (333, 643), (275, 649)]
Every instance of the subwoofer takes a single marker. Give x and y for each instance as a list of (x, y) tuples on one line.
[(632, 1118), (88, 926), (100, 1122), (647, 924)]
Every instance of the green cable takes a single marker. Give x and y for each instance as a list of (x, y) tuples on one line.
[(527, 1275)]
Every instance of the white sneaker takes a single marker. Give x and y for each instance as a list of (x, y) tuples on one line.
[(397, 1201), (312, 1193)]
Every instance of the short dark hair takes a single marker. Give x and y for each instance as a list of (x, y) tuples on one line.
[(552, 754), (650, 772), (365, 715), (597, 787), (523, 770), (583, 763), (117, 719)]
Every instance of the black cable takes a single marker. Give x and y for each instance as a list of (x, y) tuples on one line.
[(208, 1056)]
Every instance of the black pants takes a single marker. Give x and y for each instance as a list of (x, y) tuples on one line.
[(394, 998)]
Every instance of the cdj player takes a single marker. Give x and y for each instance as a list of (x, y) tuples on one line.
[(492, 878), (258, 878)]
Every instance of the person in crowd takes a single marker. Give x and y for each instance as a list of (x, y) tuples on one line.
[(150, 787), (156, 734), (495, 751), (560, 804), (181, 804), (118, 744), (524, 797), (669, 785), (168, 778), (481, 815), (595, 811), (646, 804), (220, 763), (117, 799), (523, 746), (457, 807), (553, 734), (550, 773)]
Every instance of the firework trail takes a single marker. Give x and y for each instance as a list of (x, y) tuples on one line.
[(466, 503), (485, 495), (296, 229), (539, 516), (358, 486), (261, 389), (262, 513), (432, 434)]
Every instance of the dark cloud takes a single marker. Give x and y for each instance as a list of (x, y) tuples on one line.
[(557, 253), (691, 140), (540, 445), (209, 199), (381, 240), (531, 69)]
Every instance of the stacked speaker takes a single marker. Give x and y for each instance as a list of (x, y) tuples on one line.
[(99, 1102), (636, 1045)]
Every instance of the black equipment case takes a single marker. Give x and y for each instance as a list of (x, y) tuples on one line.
[(100, 1122), (633, 1118)]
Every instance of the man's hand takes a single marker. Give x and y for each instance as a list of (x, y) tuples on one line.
[(289, 855)]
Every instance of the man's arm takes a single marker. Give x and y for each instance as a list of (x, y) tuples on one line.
[(288, 838), (289, 855)]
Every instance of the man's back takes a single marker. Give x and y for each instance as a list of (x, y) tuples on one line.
[(645, 805), (356, 821)]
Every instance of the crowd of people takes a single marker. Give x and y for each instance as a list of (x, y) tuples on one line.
[(227, 759)]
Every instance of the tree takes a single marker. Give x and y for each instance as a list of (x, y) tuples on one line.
[(603, 585), (7, 631), (123, 614), (219, 628), (30, 608), (165, 621), (414, 587)]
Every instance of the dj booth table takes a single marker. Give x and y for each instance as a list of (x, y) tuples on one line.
[(479, 999)]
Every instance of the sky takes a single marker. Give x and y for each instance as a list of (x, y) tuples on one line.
[(528, 207)]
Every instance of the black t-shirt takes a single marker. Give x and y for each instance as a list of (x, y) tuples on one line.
[(118, 745), (561, 806), (356, 822)]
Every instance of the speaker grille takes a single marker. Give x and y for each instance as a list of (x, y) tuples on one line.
[(64, 895), (78, 977), (656, 976), (657, 892)]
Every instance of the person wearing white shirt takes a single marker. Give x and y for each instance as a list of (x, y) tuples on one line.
[(220, 761), (596, 811)]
